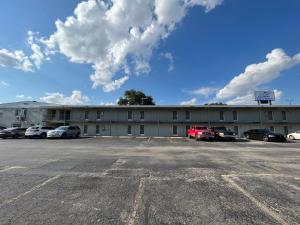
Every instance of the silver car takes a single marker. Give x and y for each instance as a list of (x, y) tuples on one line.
[(64, 132)]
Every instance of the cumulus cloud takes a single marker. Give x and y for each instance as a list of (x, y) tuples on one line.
[(118, 37), (192, 101), (16, 59), (2, 82), (76, 98), (205, 91), (37, 55), (170, 58), (23, 97), (256, 75)]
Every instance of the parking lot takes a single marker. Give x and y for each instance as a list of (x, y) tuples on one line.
[(148, 181)]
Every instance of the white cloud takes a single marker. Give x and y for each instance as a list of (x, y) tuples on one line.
[(118, 37), (23, 97), (76, 98), (107, 103), (248, 99), (256, 75), (205, 91), (37, 55), (170, 58), (16, 59), (192, 101), (4, 83)]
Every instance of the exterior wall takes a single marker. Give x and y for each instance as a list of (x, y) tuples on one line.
[(158, 121), (8, 118)]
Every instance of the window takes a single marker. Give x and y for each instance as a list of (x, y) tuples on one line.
[(17, 112), (129, 115), (272, 128), (270, 115), (100, 115), (142, 129), (283, 114), (85, 129), (61, 115), (188, 115), (221, 115), (86, 115), (175, 115), (68, 115), (286, 130), (236, 130), (142, 115), (234, 116), (97, 129), (129, 130), (53, 114), (175, 130)]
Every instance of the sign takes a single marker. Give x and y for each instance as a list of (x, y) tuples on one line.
[(264, 95)]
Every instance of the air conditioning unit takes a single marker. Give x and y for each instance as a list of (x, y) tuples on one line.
[(19, 118)]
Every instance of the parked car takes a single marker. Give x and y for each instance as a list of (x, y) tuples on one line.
[(37, 131), (223, 133), (64, 132), (14, 132), (294, 136), (200, 133), (264, 135), (2, 128)]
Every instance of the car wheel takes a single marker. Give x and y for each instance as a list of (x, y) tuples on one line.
[(43, 135), (265, 138), (77, 135), (291, 137), (15, 136), (64, 135), (189, 136)]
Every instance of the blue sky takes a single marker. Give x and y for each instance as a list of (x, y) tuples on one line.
[(194, 50)]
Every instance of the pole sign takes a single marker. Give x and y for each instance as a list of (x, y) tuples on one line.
[(264, 95)]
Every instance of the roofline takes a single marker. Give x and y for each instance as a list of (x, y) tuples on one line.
[(165, 106)]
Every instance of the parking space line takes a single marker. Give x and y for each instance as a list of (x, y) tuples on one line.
[(260, 205), (11, 168), (132, 220), (31, 190)]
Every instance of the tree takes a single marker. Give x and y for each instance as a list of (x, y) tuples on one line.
[(215, 103), (133, 97)]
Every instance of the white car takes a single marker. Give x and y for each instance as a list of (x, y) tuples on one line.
[(64, 132), (294, 136), (37, 131)]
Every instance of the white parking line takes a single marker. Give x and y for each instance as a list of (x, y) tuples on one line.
[(260, 205), (132, 220), (11, 168), (31, 190)]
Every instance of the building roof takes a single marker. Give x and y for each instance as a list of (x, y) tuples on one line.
[(167, 106), (25, 104)]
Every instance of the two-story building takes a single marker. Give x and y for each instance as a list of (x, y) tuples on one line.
[(171, 120)]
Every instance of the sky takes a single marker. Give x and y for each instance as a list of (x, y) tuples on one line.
[(187, 52)]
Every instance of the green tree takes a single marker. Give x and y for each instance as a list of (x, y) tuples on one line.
[(133, 97)]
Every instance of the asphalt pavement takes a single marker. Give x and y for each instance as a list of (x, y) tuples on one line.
[(147, 181)]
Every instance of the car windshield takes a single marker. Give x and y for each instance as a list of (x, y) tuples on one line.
[(201, 128), (33, 128), (62, 128)]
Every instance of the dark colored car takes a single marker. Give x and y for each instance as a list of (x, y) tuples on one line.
[(223, 134), (264, 135), (2, 128), (14, 132)]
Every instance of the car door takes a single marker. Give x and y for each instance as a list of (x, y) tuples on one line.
[(255, 134), (297, 134)]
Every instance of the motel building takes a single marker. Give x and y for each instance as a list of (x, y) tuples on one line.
[(151, 121), (167, 121)]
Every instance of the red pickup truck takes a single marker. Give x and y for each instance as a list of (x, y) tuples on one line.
[(200, 133)]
